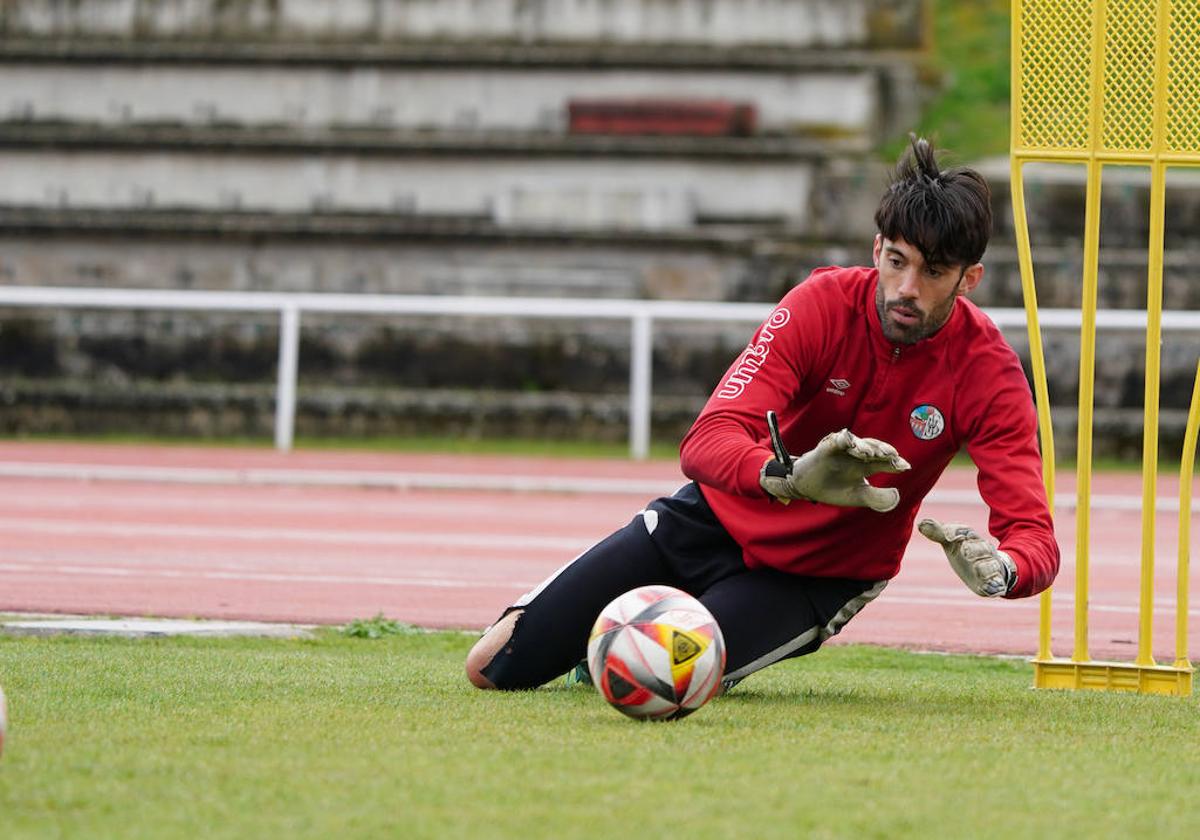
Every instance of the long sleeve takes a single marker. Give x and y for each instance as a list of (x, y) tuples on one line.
[(1004, 449), (728, 444)]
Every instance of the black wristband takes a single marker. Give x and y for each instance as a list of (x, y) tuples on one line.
[(775, 469)]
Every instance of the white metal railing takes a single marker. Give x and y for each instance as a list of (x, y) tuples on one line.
[(641, 314)]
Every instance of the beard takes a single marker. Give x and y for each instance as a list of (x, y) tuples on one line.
[(927, 323)]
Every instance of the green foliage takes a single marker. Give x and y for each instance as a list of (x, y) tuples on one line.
[(969, 113), (376, 628), (329, 737)]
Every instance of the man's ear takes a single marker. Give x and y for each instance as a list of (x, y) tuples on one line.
[(971, 278), (877, 248)]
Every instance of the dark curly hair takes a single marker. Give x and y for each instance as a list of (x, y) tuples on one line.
[(946, 215)]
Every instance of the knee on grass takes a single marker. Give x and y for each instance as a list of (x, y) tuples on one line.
[(485, 650)]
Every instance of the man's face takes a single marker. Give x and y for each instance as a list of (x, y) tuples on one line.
[(914, 299)]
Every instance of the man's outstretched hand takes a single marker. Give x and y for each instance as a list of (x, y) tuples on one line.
[(985, 569), (834, 472)]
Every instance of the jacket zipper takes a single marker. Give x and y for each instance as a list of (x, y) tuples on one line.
[(881, 385)]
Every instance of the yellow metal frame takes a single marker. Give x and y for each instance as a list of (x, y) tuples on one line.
[(1096, 83)]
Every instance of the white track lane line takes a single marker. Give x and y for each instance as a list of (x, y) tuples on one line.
[(15, 497), (1024, 604), (463, 482), (74, 571), (260, 577), (344, 478), (250, 559), (919, 548), (58, 527), (1063, 501)]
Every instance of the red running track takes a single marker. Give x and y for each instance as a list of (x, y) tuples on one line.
[(246, 534)]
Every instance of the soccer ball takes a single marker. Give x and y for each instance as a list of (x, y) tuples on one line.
[(656, 653)]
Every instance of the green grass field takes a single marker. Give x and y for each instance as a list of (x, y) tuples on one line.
[(339, 737)]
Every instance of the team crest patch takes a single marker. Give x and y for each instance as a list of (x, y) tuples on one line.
[(926, 422)]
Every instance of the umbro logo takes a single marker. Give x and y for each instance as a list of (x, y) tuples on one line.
[(838, 386)]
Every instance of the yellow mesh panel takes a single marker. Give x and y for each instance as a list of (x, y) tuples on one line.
[(1054, 65), (1136, 100), (1183, 79), (1055, 75), (1127, 121)]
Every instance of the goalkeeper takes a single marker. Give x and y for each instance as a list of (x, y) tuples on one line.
[(874, 377)]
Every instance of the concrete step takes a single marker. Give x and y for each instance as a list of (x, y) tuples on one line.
[(476, 54), (792, 23), (830, 98), (711, 262), (1055, 197), (398, 142), (396, 254), (590, 193)]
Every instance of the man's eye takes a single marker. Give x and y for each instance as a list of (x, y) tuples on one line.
[(895, 262), (933, 272)]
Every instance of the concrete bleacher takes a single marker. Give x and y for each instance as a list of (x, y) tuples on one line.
[(470, 129), (793, 23), (415, 147), (449, 114)]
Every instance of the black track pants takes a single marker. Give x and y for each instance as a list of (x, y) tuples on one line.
[(764, 615)]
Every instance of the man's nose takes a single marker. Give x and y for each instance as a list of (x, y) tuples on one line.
[(908, 283)]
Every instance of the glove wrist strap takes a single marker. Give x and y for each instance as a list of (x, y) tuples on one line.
[(1010, 573), (775, 469)]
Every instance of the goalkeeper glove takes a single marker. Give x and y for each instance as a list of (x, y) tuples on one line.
[(985, 569), (833, 472)]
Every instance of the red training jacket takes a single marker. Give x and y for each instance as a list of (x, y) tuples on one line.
[(822, 363)]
